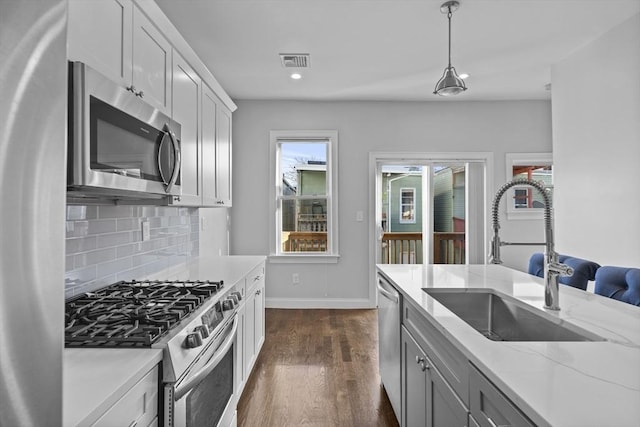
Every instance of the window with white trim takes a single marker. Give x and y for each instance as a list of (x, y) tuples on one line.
[(524, 202), (304, 196), (407, 205)]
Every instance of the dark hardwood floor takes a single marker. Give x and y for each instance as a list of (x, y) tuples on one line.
[(317, 368)]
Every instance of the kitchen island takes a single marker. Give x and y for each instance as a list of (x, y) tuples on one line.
[(582, 383)]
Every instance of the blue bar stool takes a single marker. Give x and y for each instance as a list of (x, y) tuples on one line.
[(619, 283)]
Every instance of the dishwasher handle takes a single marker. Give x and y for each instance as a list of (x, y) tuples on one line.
[(392, 296)]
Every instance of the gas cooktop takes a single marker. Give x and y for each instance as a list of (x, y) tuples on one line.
[(133, 313)]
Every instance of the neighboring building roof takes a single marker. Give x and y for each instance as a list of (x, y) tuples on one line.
[(319, 166)]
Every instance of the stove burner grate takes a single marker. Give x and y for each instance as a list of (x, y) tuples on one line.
[(133, 313)]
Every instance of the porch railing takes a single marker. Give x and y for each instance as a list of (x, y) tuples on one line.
[(304, 241), (402, 248), (406, 248), (448, 248)]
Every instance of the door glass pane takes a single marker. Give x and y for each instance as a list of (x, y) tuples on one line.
[(449, 211), (401, 222)]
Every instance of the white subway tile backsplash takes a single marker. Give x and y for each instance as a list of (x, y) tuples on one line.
[(128, 224), (113, 267), (82, 244), (104, 244), (94, 257), (99, 226), (116, 239), (115, 211)]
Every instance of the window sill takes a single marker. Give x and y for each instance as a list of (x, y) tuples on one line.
[(304, 258)]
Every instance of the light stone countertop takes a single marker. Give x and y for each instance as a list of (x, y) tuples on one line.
[(554, 383), (95, 378)]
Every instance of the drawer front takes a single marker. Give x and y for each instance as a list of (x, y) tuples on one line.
[(255, 277), (489, 407), (139, 406), (453, 366)]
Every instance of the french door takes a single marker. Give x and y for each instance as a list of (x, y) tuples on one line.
[(430, 208)]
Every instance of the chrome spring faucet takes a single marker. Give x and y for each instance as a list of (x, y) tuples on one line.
[(552, 268)]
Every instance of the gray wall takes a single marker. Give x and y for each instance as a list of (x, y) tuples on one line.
[(596, 148), (363, 127)]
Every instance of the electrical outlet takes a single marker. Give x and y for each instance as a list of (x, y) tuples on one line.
[(295, 278), (146, 231)]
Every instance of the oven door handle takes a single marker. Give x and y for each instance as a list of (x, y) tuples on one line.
[(195, 379)]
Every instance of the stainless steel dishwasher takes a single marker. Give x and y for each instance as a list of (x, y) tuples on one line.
[(389, 312)]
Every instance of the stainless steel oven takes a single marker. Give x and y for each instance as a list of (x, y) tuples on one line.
[(118, 144), (194, 322), (204, 395)]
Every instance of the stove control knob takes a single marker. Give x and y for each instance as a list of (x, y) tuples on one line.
[(203, 330), (237, 294), (227, 304), (193, 340), (233, 298)]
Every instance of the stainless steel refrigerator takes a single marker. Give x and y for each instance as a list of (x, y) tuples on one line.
[(33, 100)]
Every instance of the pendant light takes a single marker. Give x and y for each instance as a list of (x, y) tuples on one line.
[(450, 83)]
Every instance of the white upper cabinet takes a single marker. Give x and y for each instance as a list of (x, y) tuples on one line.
[(133, 43), (209, 104), (216, 150), (186, 111), (223, 156), (115, 38), (99, 34), (151, 62)]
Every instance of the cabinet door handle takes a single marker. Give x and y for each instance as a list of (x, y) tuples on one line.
[(140, 94), (259, 291), (424, 365), (132, 89)]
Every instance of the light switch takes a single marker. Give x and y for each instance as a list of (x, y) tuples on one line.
[(359, 216)]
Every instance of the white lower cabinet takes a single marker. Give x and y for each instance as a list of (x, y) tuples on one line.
[(139, 406), (254, 326), (251, 331), (240, 378), (427, 398)]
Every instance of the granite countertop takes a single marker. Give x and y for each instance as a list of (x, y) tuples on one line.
[(95, 378), (554, 383)]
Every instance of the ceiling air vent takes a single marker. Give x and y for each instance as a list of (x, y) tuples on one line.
[(295, 60)]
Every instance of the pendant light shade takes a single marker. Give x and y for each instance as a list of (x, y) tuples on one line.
[(450, 83)]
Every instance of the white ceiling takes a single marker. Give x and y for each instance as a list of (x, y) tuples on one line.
[(389, 49)]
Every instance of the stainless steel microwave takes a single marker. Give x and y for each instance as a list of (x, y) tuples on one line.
[(119, 145)]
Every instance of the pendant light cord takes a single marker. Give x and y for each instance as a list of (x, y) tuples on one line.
[(449, 17)]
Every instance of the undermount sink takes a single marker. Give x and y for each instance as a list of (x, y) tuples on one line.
[(503, 318)]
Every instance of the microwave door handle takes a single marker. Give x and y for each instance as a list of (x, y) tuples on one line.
[(162, 142), (176, 156), (183, 389), (176, 153)]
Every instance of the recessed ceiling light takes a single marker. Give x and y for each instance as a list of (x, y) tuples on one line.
[(463, 75), (296, 76)]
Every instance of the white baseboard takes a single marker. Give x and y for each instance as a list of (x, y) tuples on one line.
[(319, 303)]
